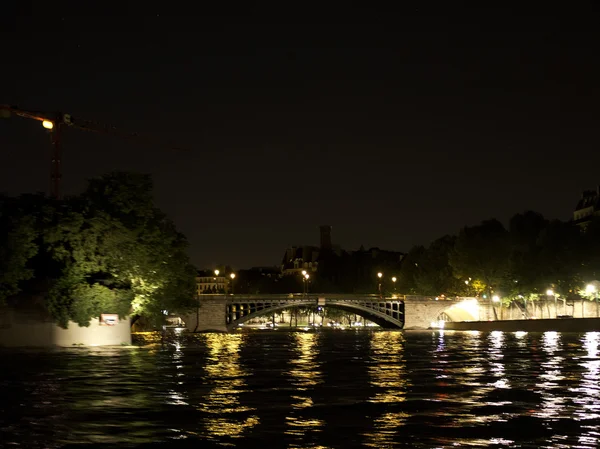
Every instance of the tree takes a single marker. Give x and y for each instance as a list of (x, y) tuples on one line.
[(482, 252), (18, 236), (433, 274), (409, 269), (562, 257), (590, 251), (117, 253), (525, 256)]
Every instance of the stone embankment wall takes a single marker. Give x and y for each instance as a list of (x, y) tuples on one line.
[(559, 325), (35, 329), (210, 317)]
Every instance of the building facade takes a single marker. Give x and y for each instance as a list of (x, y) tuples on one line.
[(210, 283), (300, 258), (587, 207)]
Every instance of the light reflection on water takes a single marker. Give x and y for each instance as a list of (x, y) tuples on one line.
[(388, 377), (551, 377), (587, 394), (325, 389), (227, 378), (304, 375)]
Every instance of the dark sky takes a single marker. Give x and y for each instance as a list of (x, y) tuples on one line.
[(394, 127)]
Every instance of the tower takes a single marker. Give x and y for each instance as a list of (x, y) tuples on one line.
[(325, 237)]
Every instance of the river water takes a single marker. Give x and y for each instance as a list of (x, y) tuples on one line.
[(319, 389)]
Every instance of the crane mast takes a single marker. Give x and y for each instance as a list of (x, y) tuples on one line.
[(55, 122)]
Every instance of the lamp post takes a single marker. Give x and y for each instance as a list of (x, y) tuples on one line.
[(217, 281), (304, 273), (232, 276), (379, 275), (394, 281), (549, 293), (495, 299), (306, 277)]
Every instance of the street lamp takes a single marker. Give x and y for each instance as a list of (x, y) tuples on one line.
[(379, 275), (591, 290), (48, 124), (394, 281), (306, 277), (467, 282), (495, 299), (549, 293), (217, 281), (232, 276)]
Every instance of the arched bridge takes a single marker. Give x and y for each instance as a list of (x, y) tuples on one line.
[(385, 313), (225, 312)]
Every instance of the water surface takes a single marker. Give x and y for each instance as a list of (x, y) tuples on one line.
[(324, 389)]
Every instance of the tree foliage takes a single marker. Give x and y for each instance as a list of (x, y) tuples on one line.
[(111, 251), (482, 252), (522, 262), (17, 246), (433, 275)]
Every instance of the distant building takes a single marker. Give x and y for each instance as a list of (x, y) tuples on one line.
[(257, 280), (300, 258), (306, 258), (207, 282), (587, 207), (325, 231), (269, 272), (382, 256), (330, 260)]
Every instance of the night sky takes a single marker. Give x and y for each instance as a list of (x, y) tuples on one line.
[(395, 129)]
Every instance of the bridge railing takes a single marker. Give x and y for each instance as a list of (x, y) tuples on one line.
[(301, 297)]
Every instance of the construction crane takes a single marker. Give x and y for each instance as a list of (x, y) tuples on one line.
[(58, 120)]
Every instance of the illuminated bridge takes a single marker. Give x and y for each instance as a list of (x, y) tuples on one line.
[(225, 312)]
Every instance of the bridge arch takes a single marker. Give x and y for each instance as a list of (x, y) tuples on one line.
[(466, 309), (386, 317)]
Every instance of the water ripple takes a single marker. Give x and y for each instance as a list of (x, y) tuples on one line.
[(325, 389)]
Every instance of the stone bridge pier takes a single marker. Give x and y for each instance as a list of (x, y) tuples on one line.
[(208, 317)]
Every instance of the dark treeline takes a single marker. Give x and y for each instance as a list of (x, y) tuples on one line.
[(107, 250), (526, 260)]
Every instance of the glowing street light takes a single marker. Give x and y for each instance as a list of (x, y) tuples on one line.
[(379, 275), (217, 272), (303, 272), (232, 276), (495, 299), (48, 124), (306, 277), (550, 292)]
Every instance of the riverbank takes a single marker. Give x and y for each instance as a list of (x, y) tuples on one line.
[(538, 325)]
